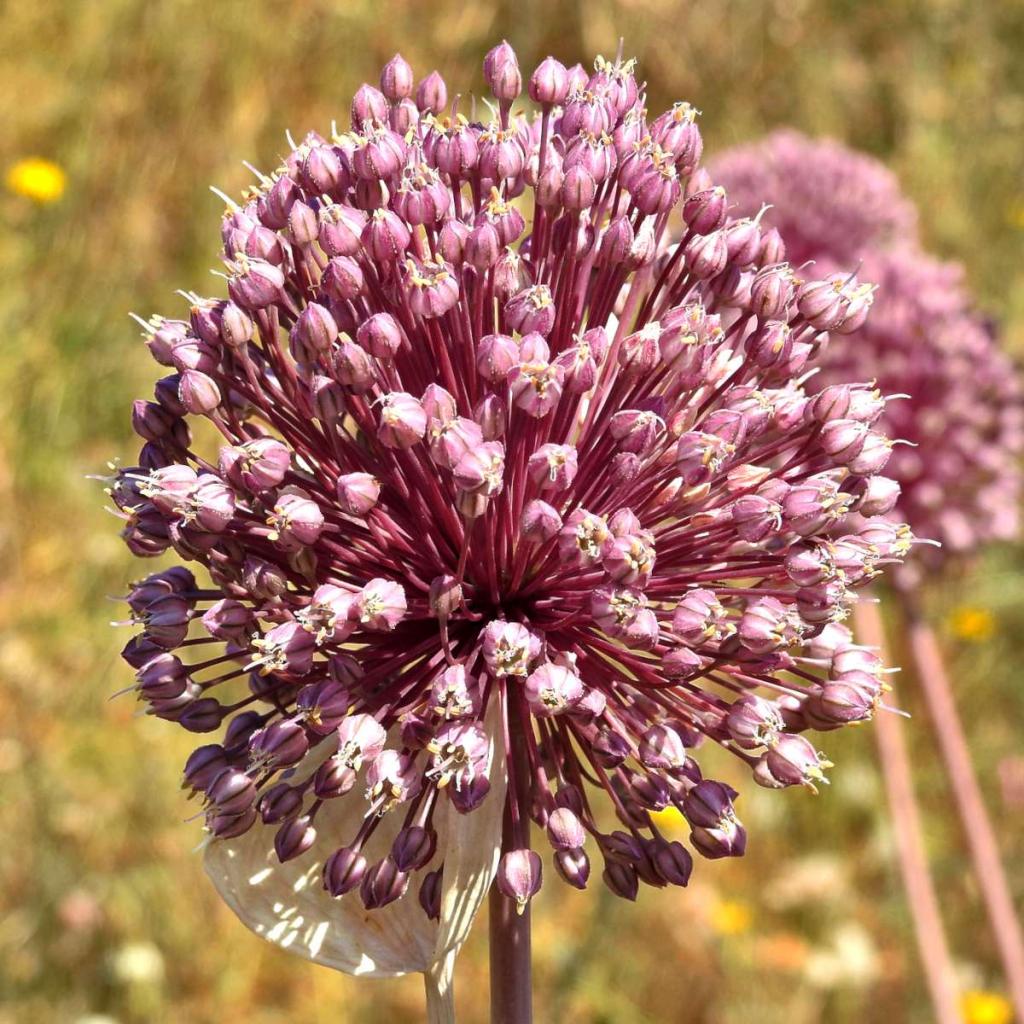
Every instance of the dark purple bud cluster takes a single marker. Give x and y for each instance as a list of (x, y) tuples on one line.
[(501, 468)]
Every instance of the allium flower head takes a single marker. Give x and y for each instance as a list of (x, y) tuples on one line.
[(959, 477), (489, 476), (828, 202)]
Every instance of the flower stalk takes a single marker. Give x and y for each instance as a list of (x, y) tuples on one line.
[(510, 933), (913, 860), (982, 844)]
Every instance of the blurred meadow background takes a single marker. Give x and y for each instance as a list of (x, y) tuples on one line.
[(105, 915)]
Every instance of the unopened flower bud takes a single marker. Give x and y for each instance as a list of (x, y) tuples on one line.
[(519, 876), (344, 871)]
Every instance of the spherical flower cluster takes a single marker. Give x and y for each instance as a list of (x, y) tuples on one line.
[(827, 201), (510, 506), (962, 413)]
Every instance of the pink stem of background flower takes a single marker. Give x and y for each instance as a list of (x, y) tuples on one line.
[(977, 824), (917, 880)]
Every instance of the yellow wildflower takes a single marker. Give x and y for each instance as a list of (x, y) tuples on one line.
[(37, 179), (980, 1007), (730, 917), (972, 624), (671, 822)]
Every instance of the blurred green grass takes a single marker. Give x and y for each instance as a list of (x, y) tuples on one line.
[(103, 908)]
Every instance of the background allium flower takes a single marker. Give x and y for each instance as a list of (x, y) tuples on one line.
[(496, 479), (828, 202), (961, 483)]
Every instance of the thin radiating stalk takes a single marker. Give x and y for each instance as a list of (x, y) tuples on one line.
[(917, 880), (977, 824)]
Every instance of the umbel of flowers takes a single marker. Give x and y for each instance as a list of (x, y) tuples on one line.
[(502, 507), (962, 410), (961, 479)]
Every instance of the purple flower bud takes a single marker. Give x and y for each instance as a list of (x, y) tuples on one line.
[(520, 875), (385, 237), (358, 493), (553, 467), (278, 803), (490, 413), (396, 79), (314, 331), (704, 212), (792, 761), (672, 862), (380, 335), (403, 421), (240, 730), (254, 283), (483, 247), (822, 303), (231, 792), (324, 173), (531, 311), (383, 884), (278, 745), (198, 393), (549, 84), (203, 715), (445, 595), (754, 722), (656, 191), (662, 749), (341, 229), (610, 748), (430, 894), (344, 871), (431, 288), (621, 879), (353, 367), (204, 764), (139, 650), (578, 189), (481, 469), (368, 104), (540, 522), (342, 280), (255, 466), (878, 496), (228, 826), (454, 150), (497, 354), (470, 795), (501, 72), (295, 518), (432, 94), (573, 866), (413, 848), (565, 830), (706, 255), (334, 778), (263, 580)]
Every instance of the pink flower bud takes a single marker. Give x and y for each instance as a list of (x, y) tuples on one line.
[(519, 876), (358, 493), (402, 420)]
